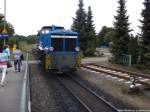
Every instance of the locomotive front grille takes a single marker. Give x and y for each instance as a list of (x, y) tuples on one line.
[(63, 61)]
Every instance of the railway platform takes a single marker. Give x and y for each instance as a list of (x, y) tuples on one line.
[(11, 93)]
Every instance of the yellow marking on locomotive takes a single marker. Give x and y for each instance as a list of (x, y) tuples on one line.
[(47, 61), (78, 60)]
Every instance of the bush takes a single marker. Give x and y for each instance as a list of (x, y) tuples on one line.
[(139, 66), (89, 52), (98, 53), (147, 56)]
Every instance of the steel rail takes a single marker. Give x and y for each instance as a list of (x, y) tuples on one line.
[(91, 92), (106, 102), (113, 74), (80, 101), (121, 70)]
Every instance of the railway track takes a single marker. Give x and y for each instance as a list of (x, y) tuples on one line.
[(139, 79), (89, 99)]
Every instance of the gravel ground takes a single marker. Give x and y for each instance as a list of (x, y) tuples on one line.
[(96, 83), (112, 91), (47, 95)]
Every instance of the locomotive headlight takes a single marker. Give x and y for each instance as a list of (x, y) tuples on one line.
[(46, 48), (51, 48), (77, 49)]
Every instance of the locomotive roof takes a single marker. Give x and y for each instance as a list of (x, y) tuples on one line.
[(51, 27), (58, 30), (63, 32)]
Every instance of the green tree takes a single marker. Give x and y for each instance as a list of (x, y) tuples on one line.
[(79, 25), (101, 35), (16, 39), (32, 39), (1, 20), (13, 40), (109, 36), (146, 32), (91, 35), (133, 48), (105, 36), (121, 36), (1, 24), (9, 28)]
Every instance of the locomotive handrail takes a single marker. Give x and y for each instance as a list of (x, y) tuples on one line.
[(25, 105)]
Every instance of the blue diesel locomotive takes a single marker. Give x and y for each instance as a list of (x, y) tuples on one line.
[(59, 48)]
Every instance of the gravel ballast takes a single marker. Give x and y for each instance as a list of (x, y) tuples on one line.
[(113, 91), (48, 95)]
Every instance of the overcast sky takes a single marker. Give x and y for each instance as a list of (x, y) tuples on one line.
[(28, 16)]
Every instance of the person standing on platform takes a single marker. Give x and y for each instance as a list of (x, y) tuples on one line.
[(3, 65), (6, 50), (17, 58)]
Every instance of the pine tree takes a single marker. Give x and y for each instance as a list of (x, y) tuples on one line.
[(133, 48), (105, 36), (121, 25), (91, 35), (146, 32), (79, 25)]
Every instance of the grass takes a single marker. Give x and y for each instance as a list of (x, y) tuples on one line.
[(25, 47), (134, 68), (125, 90)]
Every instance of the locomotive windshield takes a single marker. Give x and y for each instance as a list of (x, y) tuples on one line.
[(63, 43), (70, 44), (57, 44)]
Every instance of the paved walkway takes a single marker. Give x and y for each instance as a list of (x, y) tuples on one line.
[(10, 94)]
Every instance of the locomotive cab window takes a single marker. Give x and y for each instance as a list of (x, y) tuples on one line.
[(57, 43), (70, 44)]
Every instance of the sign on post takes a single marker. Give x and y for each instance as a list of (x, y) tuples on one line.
[(4, 34)]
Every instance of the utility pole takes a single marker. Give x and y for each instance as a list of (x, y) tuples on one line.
[(4, 30), (5, 10)]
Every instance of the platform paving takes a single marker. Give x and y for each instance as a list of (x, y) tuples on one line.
[(10, 94)]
